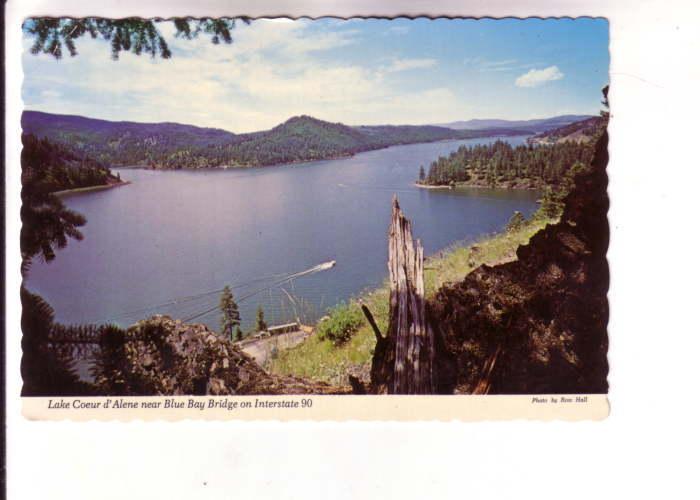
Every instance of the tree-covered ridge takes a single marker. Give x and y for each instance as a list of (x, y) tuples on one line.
[(501, 165), (534, 126), (580, 131), (122, 143), (52, 167), (301, 138), (172, 145), (304, 138)]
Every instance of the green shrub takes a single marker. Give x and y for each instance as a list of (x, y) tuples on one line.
[(516, 222), (551, 204), (344, 320)]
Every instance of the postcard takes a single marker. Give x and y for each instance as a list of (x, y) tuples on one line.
[(312, 219)]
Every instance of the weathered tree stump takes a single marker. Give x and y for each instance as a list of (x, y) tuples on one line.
[(404, 359)]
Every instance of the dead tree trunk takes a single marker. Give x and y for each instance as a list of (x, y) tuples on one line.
[(404, 360)]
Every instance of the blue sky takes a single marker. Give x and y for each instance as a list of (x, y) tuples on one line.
[(356, 72)]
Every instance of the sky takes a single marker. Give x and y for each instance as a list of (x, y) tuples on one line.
[(357, 71)]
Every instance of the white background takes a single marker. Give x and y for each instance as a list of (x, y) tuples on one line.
[(648, 447)]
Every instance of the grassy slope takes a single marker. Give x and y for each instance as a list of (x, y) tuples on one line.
[(321, 360)]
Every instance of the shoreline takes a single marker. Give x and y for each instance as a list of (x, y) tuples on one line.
[(297, 162), (90, 189), (476, 186), (432, 186), (228, 167)]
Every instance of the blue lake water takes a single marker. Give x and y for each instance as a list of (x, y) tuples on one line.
[(164, 242)]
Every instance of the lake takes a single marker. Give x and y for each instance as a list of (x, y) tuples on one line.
[(167, 242)]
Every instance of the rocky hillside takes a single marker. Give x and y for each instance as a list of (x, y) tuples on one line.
[(162, 356), (538, 324)]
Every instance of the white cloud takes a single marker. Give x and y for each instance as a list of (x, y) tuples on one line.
[(271, 72), (537, 77), (498, 64), (290, 38), (408, 64), (419, 107), (482, 65), (50, 94), (504, 65), (398, 30)]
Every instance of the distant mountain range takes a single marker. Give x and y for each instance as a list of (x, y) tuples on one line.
[(531, 126), (301, 138)]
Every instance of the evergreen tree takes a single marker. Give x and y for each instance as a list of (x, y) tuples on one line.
[(260, 324), (47, 223), (131, 35), (230, 317), (551, 204), (239, 333), (516, 222), (500, 164), (421, 174), (46, 371), (605, 113)]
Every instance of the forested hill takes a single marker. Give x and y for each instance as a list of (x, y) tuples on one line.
[(549, 160), (502, 165), (121, 143), (50, 167), (172, 145), (581, 131)]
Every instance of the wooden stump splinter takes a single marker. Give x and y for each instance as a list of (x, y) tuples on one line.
[(404, 361)]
